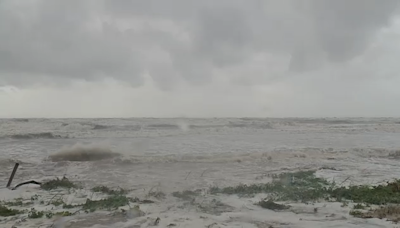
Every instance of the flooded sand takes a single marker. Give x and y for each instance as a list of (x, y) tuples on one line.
[(174, 155)]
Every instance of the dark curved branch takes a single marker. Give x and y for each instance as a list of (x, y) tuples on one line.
[(27, 182)]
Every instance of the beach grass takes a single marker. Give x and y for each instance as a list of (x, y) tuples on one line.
[(305, 187), (378, 201), (113, 199)]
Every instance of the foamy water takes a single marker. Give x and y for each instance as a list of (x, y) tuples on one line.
[(180, 154)]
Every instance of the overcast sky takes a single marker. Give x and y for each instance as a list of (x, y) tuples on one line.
[(199, 58)]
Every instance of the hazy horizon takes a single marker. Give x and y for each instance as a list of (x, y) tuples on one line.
[(203, 59), (218, 117)]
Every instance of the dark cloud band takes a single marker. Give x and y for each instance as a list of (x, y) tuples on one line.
[(52, 40)]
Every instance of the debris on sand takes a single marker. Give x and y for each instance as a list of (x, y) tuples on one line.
[(269, 204)]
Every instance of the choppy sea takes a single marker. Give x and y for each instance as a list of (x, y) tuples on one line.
[(182, 153)]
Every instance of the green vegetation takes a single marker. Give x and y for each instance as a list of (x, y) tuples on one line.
[(268, 204), (109, 203), (302, 186), (185, 195), (5, 211), (116, 198), (57, 202), (359, 206), (378, 195), (58, 183), (213, 207), (156, 194), (18, 202), (61, 213), (33, 214), (109, 191), (367, 201), (390, 212), (305, 187)]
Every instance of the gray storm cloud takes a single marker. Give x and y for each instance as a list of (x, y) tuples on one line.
[(53, 40)]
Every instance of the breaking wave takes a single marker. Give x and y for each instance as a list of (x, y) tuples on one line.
[(266, 125), (163, 126), (43, 135), (20, 120), (176, 158), (84, 153), (100, 127), (267, 156)]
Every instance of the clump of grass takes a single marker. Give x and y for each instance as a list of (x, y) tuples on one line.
[(301, 186), (391, 212), (69, 206), (6, 212), (213, 207), (358, 214), (109, 191), (185, 195), (61, 213), (110, 203), (34, 197), (156, 194), (19, 202), (57, 202), (269, 204), (33, 214), (358, 206), (58, 183), (378, 195), (49, 215), (304, 186), (344, 204), (15, 203), (64, 213), (115, 199)]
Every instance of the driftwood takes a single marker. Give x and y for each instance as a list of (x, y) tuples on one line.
[(12, 174), (27, 182), (19, 185)]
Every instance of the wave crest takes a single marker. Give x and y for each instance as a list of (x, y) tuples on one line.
[(84, 153), (43, 135), (100, 127)]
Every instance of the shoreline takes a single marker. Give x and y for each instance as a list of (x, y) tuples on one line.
[(63, 205)]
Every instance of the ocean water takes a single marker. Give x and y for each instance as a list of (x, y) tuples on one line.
[(182, 153)]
